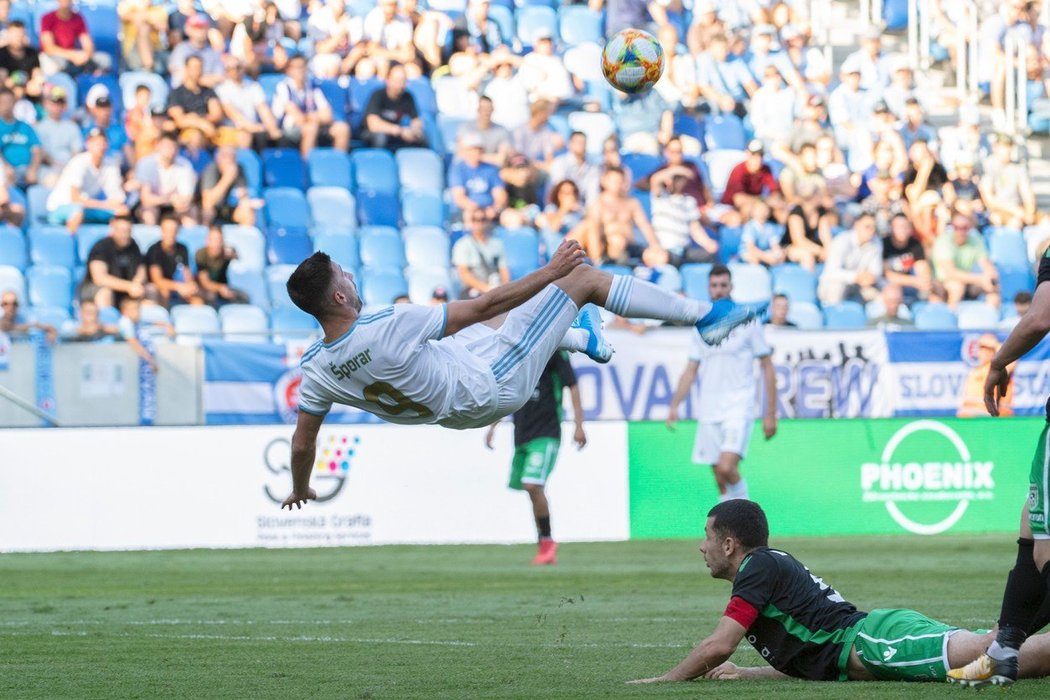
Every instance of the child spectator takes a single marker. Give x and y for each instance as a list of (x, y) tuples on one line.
[(91, 329), (138, 334), (760, 238)]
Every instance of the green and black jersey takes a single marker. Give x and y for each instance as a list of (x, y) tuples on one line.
[(800, 625), (541, 415)]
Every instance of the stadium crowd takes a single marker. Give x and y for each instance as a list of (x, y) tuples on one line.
[(187, 154)]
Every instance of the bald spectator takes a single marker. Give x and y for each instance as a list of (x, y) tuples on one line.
[(575, 166), (894, 313), (168, 268), (89, 189), (392, 120), (66, 43)]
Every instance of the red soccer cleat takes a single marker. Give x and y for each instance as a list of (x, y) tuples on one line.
[(546, 554)]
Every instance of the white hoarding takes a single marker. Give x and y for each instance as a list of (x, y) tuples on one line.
[(137, 488)]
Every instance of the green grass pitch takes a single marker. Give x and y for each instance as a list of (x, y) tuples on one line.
[(439, 622)]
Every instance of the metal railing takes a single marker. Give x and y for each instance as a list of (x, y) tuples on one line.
[(966, 53), (871, 13), (919, 16), (1015, 107), (820, 22)]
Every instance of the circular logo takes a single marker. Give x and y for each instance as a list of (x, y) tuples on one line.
[(941, 472), (286, 394)]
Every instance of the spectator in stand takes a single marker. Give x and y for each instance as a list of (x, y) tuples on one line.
[(224, 191), (244, 105), (91, 329), (924, 187), (10, 212), (391, 118), (12, 322), (99, 106), (609, 227), (624, 14), (115, 267), (543, 72), (145, 24), (504, 86), (895, 314), (961, 263), (849, 107), (1022, 302), (495, 139), (194, 108), (564, 210), (213, 264), (779, 307), (695, 186), (678, 84), (772, 108), (89, 189), (854, 265), (536, 139), (811, 126), (16, 55), (724, 81), (132, 329), (808, 60), (643, 120), (676, 218), (873, 63), (388, 34), (904, 260), (256, 40), (523, 182), (67, 46), (166, 180), (475, 184), (751, 181), (965, 191), (808, 234), (901, 88), (885, 201), (706, 25), (19, 144), (479, 258), (475, 32), (60, 137), (914, 127), (305, 116), (802, 180), (338, 40), (196, 44), (760, 237), (1006, 187), (966, 140), (168, 265), (575, 166)]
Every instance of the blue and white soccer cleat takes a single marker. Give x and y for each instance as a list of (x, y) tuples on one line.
[(590, 320), (724, 316)]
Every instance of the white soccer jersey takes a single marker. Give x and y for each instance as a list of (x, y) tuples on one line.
[(395, 364), (727, 385)]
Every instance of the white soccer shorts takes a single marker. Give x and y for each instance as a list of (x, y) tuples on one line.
[(729, 435)]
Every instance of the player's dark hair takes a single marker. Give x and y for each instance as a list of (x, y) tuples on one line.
[(308, 285), (720, 271), (17, 23), (780, 296), (742, 520)]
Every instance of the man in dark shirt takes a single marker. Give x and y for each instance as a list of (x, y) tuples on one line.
[(213, 263), (391, 118), (17, 55), (168, 262), (904, 260), (194, 108), (115, 269), (803, 628), (537, 439)]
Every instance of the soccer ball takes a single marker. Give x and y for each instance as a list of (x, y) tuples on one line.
[(632, 60)]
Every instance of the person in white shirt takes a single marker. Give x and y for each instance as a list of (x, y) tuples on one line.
[(245, 107), (850, 107), (726, 410), (543, 72), (389, 37), (773, 109), (464, 364), (166, 179), (338, 39), (573, 165), (854, 266), (89, 190), (304, 113)]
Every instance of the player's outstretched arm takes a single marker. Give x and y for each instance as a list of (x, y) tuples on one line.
[(304, 449), (707, 656), (1032, 327), (502, 299)]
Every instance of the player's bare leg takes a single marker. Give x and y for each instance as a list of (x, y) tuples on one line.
[(965, 646), (727, 472), (541, 512), (719, 481)]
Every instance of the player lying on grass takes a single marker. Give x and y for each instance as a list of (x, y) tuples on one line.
[(468, 363), (804, 629)]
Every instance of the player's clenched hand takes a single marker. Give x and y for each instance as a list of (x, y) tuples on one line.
[(298, 500), (769, 426), (995, 387), (728, 671), (566, 258), (672, 419)]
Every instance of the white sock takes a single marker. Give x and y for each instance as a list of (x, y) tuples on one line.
[(1001, 653), (633, 298), (737, 490), (575, 340)]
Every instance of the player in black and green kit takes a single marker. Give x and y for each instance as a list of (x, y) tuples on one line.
[(804, 629), (537, 439)]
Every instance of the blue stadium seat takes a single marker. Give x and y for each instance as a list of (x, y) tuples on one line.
[(381, 248), (797, 283), (375, 170), (598, 126), (694, 280), (806, 316), (276, 285), (426, 246), (751, 283), (729, 244), (523, 251), (724, 131), (36, 199), (251, 165), (244, 323), (105, 28), (250, 245), (52, 246), (935, 317), (359, 94), (51, 315), (641, 165), (252, 283), (719, 164), (288, 246), (849, 315), (193, 237), (1014, 280), (50, 286), (378, 209), (578, 24), (329, 168), (130, 81), (154, 313), (687, 125), (895, 14), (268, 82), (13, 247), (192, 321), (338, 97), (341, 247), (420, 170), (1006, 247), (423, 281), (503, 16), (332, 209), (535, 18), (12, 279), (287, 207), (87, 236), (85, 82), (977, 315), (283, 167), (145, 235), (423, 209), (423, 94), (381, 287), (448, 126), (291, 323)]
